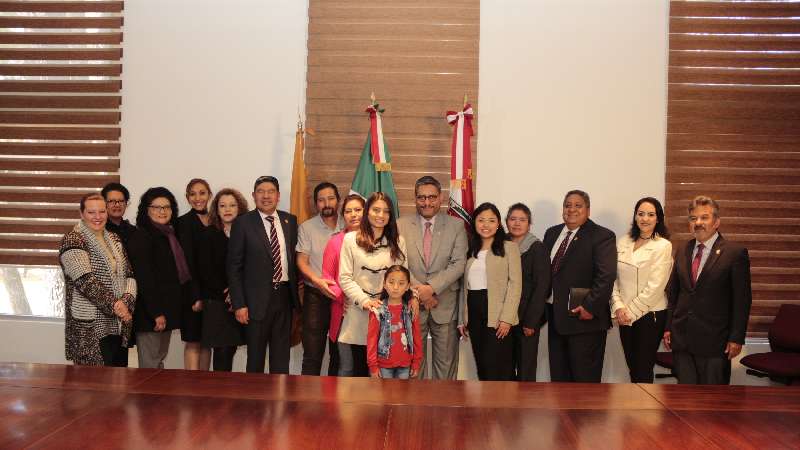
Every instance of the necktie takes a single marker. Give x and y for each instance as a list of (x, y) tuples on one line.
[(560, 254), (696, 263), (275, 248), (427, 240)]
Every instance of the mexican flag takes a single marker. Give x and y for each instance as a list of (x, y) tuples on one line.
[(462, 201), (374, 171)]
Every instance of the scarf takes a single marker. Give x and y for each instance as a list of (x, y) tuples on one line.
[(177, 252), (526, 242)]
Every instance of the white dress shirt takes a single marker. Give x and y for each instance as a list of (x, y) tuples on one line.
[(706, 251)]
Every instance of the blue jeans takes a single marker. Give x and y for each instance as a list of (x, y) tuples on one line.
[(396, 372)]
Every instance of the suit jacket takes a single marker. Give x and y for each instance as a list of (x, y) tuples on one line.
[(250, 265), (448, 257), (589, 262), (705, 318), (503, 286), (535, 286)]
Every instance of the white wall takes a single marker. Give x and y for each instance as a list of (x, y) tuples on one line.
[(572, 95), (211, 89)]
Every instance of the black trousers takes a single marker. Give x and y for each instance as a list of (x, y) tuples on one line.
[(526, 353), (640, 343), (494, 357), (222, 358), (114, 354), (575, 357), (333, 359), (694, 369), (316, 319), (273, 331)]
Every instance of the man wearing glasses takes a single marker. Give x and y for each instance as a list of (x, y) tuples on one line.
[(117, 197), (437, 248)]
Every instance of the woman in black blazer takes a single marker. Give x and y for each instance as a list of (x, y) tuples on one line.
[(221, 331), (162, 275), (191, 231), (535, 290)]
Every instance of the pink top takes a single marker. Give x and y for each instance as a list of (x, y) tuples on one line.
[(330, 271)]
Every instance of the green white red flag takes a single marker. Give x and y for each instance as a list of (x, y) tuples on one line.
[(462, 200), (374, 171)]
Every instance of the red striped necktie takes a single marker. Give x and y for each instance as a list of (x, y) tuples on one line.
[(275, 248)]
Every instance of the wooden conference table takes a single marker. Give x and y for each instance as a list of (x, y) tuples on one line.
[(58, 406)]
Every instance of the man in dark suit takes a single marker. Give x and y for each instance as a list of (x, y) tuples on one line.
[(262, 275), (583, 255), (709, 300)]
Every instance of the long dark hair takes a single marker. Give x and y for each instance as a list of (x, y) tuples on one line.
[(142, 219), (398, 268), (366, 240), (660, 228), (475, 241)]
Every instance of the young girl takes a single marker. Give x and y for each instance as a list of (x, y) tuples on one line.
[(393, 351)]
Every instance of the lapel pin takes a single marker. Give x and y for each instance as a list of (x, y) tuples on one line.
[(718, 251), (285, 221)]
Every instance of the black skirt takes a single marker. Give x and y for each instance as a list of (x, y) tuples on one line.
[(220, 328)]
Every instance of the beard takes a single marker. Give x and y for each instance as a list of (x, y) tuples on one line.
[(327, 212)]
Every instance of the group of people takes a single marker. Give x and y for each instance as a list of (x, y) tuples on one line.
[(377, 288)]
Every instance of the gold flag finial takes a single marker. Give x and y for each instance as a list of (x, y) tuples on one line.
[(372, 97), (299, 120), (465, 99)]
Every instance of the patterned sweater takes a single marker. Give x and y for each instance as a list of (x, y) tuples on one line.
[(92, 288)]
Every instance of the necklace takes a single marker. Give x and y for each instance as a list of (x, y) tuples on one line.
[(646, 238)]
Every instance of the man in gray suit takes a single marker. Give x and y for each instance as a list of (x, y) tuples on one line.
[(437, 248)]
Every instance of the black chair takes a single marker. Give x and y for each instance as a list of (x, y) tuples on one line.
[(782, 364)]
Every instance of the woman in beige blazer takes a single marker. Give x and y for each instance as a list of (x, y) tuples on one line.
[(491, 293), (638, 302)]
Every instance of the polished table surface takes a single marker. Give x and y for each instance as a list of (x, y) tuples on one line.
[(58, 406)]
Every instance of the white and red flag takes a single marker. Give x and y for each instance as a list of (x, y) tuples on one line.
[(462, 200)]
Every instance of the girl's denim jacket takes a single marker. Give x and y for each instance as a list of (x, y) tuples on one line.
[(385, 334)]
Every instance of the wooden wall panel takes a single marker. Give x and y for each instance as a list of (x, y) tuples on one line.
[(419, 57), (733, 133), (60, 86)]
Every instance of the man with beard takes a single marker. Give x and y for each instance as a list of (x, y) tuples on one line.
[(117, 197), (709, 300), (313, 236)]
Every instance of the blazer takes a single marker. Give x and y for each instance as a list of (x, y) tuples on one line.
[(210, 254), (160, 291), (190, 232), (503, 285), (448, 258), (589, 262), (535, 286), (361, 279), (703, 319), (640, 282), (250, 264)]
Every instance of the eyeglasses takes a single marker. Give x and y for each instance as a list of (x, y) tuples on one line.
[(160, 209), (430, 198), (116, 202)]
